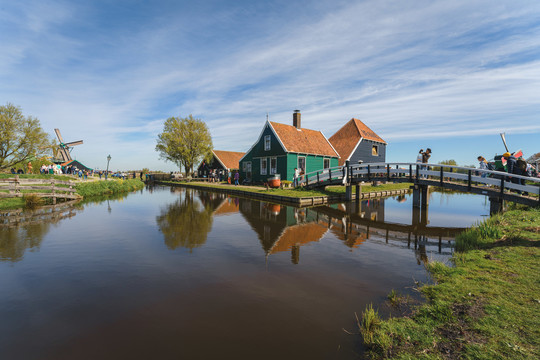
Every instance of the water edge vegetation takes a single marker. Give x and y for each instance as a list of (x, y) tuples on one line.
[(485, 306)]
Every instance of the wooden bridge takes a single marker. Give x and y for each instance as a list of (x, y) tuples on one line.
[(498, 186)]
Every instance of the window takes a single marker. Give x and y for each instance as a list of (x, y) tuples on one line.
[(273, 166), (326, 164), (267, 143), (264, 166), (375, 150), (302, 164)]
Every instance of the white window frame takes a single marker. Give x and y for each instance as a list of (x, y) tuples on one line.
[(267, 142), (273, 170), (325, 162), (305, 164), (264, 169), (248, 166)]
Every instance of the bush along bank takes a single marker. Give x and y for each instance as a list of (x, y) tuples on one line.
[(484, 307), (96, 188)]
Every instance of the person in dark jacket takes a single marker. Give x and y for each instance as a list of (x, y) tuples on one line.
[(512, 168)]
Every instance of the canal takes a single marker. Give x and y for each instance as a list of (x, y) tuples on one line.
[(169, 273)]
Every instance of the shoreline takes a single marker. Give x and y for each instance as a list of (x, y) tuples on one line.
[(261, 193)]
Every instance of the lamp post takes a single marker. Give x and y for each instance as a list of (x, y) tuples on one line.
[(107, 172)]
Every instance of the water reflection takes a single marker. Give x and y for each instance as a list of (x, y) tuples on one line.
[(281, 228), (25, 230), (187, 221)]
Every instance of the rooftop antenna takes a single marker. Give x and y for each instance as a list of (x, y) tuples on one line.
[(267, 116)]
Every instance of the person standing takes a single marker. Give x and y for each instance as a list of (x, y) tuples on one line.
[(482, 165), (229, 176), (295, 177), (236, 178), (419, 157), (425, 159)]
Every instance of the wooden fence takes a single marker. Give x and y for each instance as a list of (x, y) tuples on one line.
[(14, 187)]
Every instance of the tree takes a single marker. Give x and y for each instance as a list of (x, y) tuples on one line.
[(184, 141), (21, 137)]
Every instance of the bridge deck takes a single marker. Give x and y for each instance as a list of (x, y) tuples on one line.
[(494, 184)]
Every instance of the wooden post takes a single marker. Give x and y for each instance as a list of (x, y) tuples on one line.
[(17, 184), (317, 177), (417, 173), (410, 172), (369, 172), (416, 196), (388, 173), (53, 191), (329, 174), (469, 185), (442, 174), (425, 196)]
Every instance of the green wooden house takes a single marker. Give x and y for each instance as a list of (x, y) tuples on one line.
[(281, 148)]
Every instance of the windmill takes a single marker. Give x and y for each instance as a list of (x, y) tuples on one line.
[(64, 149)]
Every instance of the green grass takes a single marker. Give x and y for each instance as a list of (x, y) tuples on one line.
[(484, 307), (38, 176), (96, 188), (301, 192)]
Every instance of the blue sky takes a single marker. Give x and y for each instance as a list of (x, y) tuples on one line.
[(449, 75)]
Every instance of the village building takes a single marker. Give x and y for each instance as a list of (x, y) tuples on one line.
[(281, 148), (221, 161), (356, 143)]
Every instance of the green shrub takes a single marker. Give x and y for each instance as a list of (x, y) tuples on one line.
[(96, 188), (32, 201)]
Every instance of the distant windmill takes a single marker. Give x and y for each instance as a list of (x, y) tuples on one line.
[(64, 149)]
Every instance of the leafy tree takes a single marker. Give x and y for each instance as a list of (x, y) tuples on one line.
[(185, 142), (21, 137)]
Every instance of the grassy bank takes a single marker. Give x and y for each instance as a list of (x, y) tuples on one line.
[(301, 192), (96, 188), (487, 306)]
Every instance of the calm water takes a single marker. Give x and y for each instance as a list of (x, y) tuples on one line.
[(173, 273)]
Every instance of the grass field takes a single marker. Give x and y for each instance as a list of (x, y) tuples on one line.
[(485, 306)]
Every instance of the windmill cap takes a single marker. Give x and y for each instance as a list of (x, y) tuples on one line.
[(506, 154)]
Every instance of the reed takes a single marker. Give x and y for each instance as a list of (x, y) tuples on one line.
[(32, 201), (370, 323)]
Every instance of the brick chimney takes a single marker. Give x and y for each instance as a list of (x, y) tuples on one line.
[(296, 119)]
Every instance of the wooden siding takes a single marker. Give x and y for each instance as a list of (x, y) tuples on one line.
[(286, 162), (363, 152)]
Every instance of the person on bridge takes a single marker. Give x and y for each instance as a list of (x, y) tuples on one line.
[(512, 168), (425, 159), (483, 165), (419, 157)]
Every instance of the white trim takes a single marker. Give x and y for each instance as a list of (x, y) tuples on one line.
[(376, 146), (277, 137), (356, 147), (261, 167), (275, 172), (259, 139), (329, 143), (222, 164)]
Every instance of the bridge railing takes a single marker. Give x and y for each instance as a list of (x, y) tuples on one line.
[(418, 171)]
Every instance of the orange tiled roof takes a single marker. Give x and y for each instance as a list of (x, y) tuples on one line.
[(303, 141), (226, 208), (230, 159), (298, 235), (346, 138)]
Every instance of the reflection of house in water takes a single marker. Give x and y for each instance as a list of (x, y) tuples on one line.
[(282, 228)]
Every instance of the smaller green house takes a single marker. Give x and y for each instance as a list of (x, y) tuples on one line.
[(281, 148)]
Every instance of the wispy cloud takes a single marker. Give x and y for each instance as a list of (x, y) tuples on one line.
[(112, 73)]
